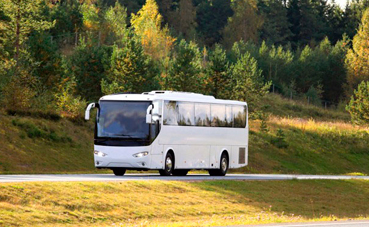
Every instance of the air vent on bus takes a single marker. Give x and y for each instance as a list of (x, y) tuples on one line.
[(242, 155)]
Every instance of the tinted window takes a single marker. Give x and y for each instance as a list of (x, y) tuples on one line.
[(119, 119), (202, 114), (239, 116), (218, 115), (170, 113), (229, 118), (186, 113)]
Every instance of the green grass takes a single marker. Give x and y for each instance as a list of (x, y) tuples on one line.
[(155, 203), (283, 107), (35, 145), (311, 148)]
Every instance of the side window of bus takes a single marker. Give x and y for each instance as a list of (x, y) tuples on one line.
[(239, 116), (170, 113), (186, 113), (218, 115), (202, 114), (229, 118)]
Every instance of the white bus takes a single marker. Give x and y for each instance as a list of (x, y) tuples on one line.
[(173, 132)]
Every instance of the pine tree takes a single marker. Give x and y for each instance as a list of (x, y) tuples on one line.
[(244, 24), (218, 74), (247, 81), (357, 57), (275, 29), (116, 21), (131, 70), (359, 104), (211, 18), (184, 73), (24, 17), (155, 40), (87, 65), (183, 19)]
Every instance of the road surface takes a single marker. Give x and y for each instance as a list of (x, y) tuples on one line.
[(151, 176), (356, 223)]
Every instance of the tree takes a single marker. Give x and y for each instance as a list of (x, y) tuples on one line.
[(336, 72), (211, 17), (357, 57), (218, 74), (352, 16), (184, 72), (247, 81), (155, 40), (24, 17), (131, 70), (275, 29), (88, 66), (116, 21), (68, 19), (308, 21), (244, 24), (359, 104), (183, 19), (43, 50)]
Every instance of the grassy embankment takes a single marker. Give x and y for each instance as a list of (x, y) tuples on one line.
[(156, 203), (317, 141), (34, 145)]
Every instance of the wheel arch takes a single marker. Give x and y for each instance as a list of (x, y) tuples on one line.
[(169, 150)]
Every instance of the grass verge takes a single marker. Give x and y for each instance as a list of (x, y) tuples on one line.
[(157, 203)]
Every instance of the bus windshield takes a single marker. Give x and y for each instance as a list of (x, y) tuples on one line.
[(123, 119)]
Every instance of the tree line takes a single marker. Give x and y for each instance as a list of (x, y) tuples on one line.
[(59, 54)]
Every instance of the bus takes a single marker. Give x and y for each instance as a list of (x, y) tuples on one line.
[(173, 132)]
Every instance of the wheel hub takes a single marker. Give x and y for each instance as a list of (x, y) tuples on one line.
[(168, 163), (224, 164)]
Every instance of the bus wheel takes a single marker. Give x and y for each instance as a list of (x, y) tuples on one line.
[(180, 172), (223, 167), (119, 171), (169, 166)]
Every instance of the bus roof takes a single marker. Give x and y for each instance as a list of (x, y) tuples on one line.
[(169, 95)]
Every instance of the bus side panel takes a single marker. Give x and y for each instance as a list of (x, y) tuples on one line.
[(191, 156), (157, 156), (216, 152), (239, 157)]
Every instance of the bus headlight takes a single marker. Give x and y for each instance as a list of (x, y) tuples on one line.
[(141, 154), (99, 153)]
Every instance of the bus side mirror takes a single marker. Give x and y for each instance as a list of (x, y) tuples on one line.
[(148, 114), (87, 112)]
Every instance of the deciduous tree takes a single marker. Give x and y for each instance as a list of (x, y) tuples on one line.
[(357, 57), (155, 40)]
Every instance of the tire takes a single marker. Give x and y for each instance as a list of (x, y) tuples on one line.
[(119, 171), (224, 164), (168, 165), (180, 172)]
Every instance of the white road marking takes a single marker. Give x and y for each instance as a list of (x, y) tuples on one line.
[(191, 177), (320, 224)]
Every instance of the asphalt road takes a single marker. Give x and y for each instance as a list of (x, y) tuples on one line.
[(191, 177), (357, 223)]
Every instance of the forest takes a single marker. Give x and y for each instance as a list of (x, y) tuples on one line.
[(57, 55)]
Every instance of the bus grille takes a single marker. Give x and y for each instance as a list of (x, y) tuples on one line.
[(242, 155)]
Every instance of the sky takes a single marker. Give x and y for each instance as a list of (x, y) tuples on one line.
[(341, 3)]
